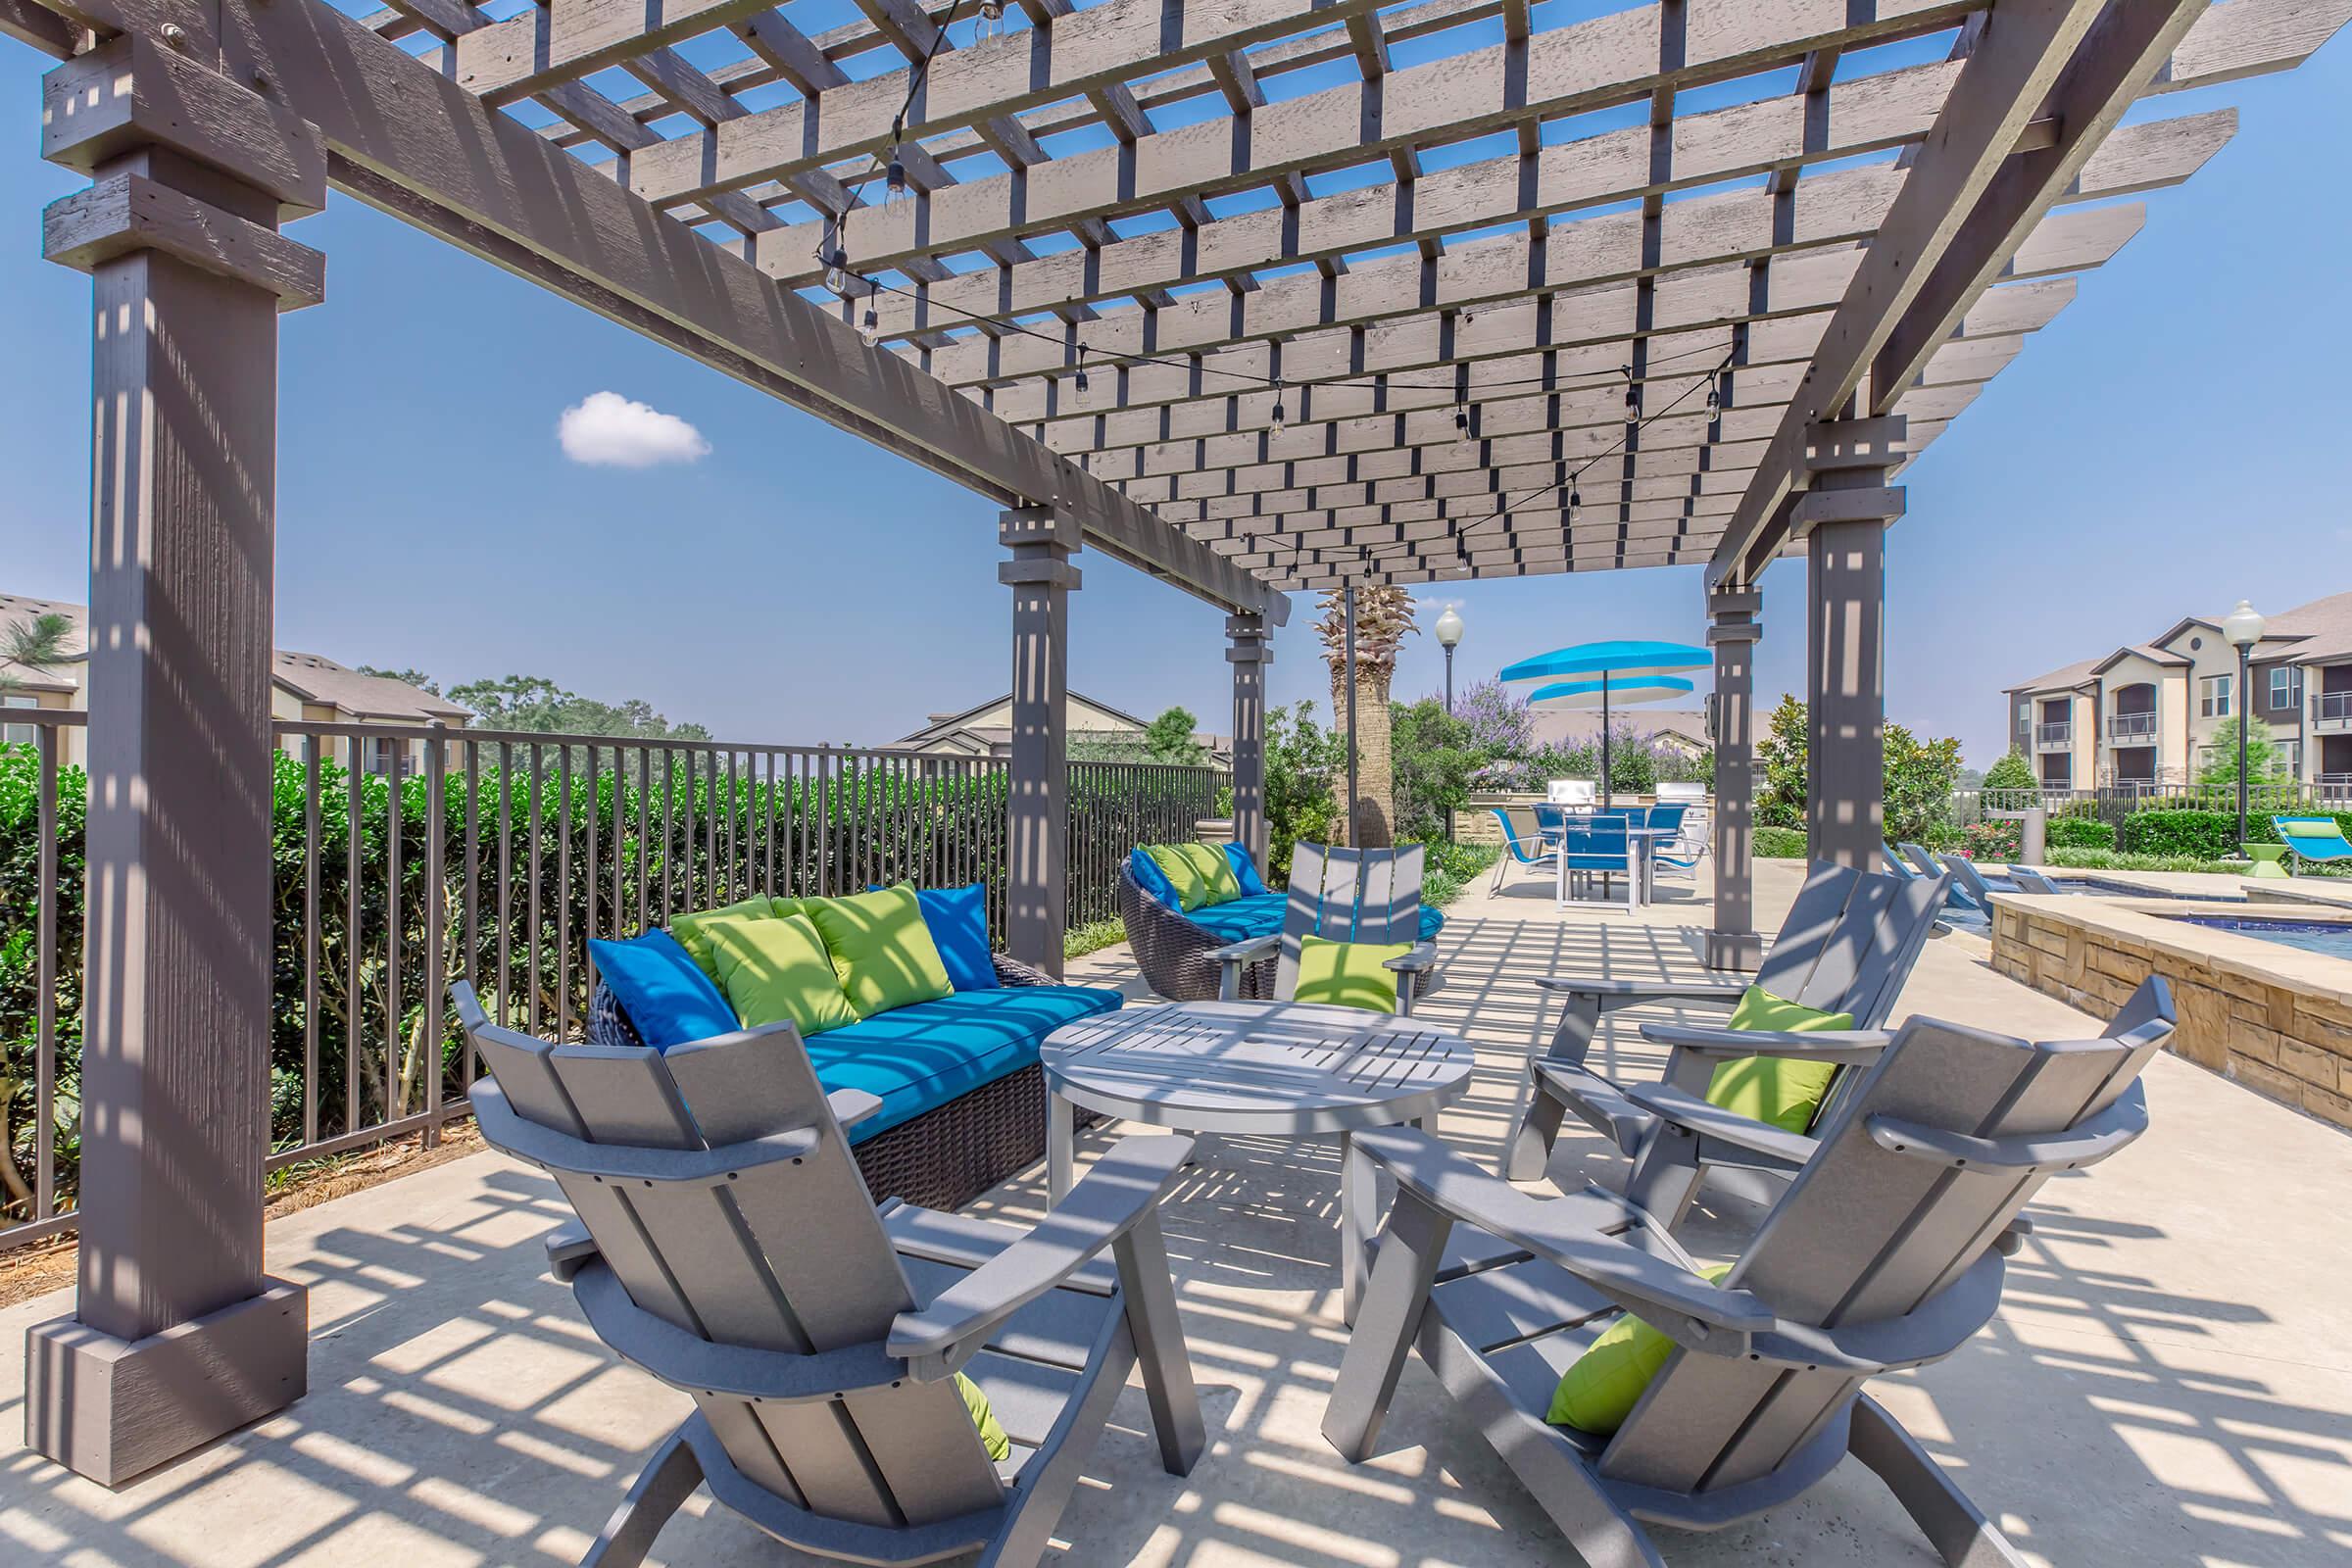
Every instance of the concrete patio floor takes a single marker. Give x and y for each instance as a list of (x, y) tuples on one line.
[(2169, 1380)]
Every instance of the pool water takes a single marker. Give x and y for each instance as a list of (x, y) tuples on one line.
[(2334, 940)]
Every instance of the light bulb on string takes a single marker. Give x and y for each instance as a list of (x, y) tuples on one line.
[(837, 270), (991, 22), (1082, 369), (1281, 414), (894, 180), (1461, 419), (869, 326)]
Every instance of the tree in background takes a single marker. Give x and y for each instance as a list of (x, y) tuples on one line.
[(1501, 724), (407, 677), (539, 706), (1384, 618), (2010, 773), (1169, 738), (31, 645), (1302, 762), (2264, 760), (1782, 753), (1433, 754), (1919, 778)]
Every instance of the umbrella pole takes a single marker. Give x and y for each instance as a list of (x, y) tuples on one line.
[(1348, 612), (1607, 796)]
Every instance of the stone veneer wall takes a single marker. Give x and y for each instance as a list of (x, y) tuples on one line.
[(2293, 1047)]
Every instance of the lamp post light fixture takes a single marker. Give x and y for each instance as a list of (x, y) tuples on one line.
[(1449, 632), (2242, 628)]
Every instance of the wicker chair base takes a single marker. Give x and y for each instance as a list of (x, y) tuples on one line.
[(1175, 955)]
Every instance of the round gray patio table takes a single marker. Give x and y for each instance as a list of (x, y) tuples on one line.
[(1281, 1068)]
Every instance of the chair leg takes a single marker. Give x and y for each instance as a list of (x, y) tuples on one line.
[(1411, 1245), (1539, 1121), (659, 1490), (1142, 1255), (1954, 1525)]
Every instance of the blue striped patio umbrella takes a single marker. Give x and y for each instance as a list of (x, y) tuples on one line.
[(1599, 675)]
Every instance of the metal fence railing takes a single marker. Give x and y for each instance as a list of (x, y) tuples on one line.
[(2112, 802), (2131, 726), (496, 857)]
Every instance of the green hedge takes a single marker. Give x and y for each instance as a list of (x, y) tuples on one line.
[(2201, 835), (1779, 843), (2079, 833), (2115, 860)]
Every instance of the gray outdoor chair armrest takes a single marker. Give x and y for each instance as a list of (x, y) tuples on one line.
[(1423, 957), (1628, 991), (1686, 1307), (1121, 1189), (1597, 1102), (1856, 1048), (570, 1248), (1694, 1114), (1248, 948), (852, 1106)]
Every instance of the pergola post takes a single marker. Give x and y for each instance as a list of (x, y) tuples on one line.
[(1732, 633), (1250, 650), (177, 1334), (1040, 576), (1842, 519)]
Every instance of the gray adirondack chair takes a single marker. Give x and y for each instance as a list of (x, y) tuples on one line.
[(1886, 1253), (1847, 945), (1343, 894), (726, 1243)]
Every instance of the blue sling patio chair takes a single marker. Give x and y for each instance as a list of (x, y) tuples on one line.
[(1599, 846), (1679, 853), (1521, 843), (2312, 841)]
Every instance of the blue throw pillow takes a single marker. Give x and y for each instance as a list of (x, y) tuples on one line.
[(667, 998), (1151, 879), (958, 920), (1244, 869)]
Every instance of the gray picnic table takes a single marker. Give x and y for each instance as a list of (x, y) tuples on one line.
[(1278, 1068)]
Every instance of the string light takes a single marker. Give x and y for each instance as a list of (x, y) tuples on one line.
[(991, 22), (1461, 419), (1633, 395), (894, 183), (837, 269), (1081, 369), (1576, 500), (1280, 416), (1714, 399), (869, 326)]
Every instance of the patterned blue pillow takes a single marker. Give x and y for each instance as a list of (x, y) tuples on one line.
[(668, 1000)]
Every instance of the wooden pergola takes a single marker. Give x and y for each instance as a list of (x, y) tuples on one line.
[(1253, 295)]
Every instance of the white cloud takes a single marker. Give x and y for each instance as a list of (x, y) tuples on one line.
[(606, 429)]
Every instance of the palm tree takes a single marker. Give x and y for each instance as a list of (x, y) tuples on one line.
[(1384, 618), (31, 645)]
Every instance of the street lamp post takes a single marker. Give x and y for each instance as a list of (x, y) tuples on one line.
[(2242, 626), (1449, 632)]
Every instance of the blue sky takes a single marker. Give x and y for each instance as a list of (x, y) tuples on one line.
[(2173, 442)]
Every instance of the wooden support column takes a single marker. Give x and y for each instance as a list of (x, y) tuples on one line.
[(177, 1334), (1842, 519), (1250, 650), (1040, 576), (1732, 633)]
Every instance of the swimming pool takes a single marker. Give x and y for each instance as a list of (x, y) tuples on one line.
[(2330, 937)]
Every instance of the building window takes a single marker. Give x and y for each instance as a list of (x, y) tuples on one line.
[(382, 752), (17, 734), (2213, 696), (2287, 687), (2290, 754)]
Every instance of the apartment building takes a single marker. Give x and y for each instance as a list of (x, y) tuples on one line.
[(303, 686), (2154, 712)]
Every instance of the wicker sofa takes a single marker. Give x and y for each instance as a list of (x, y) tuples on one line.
[(1175, 950), (948, 1153)]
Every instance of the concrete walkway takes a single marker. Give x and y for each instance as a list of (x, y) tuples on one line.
[(2168, 1381)]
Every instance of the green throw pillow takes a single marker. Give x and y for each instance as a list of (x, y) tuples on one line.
[(1348, 974), (2309, 830), (881, 949), (984, 1419), (1777, 1089), (1600, 1388), (1192, 890), (690, 932), (775, 969), (1215, 871)]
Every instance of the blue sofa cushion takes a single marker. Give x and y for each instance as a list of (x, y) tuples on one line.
[(1260, 914), (958, 920), (1244, 869), (667, 999), (918, 1058), (1151, 879)]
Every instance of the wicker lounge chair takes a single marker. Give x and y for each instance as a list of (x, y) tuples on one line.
[(725, 1243), (948, 1156), (1177, 952), (1886, 1253)]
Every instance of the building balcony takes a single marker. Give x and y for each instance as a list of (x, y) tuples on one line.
[(2132, 729), (2053, 737), (2332, 712)]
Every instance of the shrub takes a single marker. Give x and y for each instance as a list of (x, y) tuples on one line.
[(2072, 832), (1779, 843), (1430, 757), (2116, 861), (1920, 777), (1451, 867), (1991, 841), (2198, 835), (2010, 773)]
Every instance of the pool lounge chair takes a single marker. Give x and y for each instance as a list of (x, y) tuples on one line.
[(724, 1243), (1521, 843), (1847, 945), (1886, 1253), (2312, 841)]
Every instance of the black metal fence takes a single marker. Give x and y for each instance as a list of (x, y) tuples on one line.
[(495, 858)]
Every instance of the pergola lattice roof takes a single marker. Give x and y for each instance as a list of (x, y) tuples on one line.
[(1395, 222)]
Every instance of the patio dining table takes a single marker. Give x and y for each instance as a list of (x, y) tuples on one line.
[(1641, 857), (1282, 1069)]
